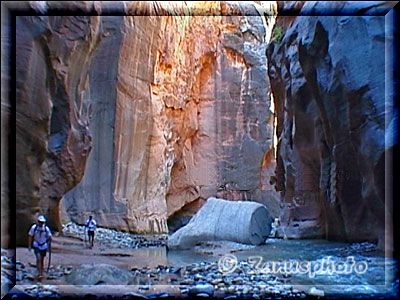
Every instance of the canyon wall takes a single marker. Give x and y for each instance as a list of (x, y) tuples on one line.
[(181, 112), (52, 136), (137, 120), (334, 120), (138, 113)]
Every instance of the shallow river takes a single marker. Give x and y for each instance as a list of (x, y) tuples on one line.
[(339, 269)]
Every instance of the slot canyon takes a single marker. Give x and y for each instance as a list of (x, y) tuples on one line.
[(137, 112)]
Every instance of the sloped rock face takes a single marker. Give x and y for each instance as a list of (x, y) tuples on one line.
[(328, 80), (52, 135), (182, 114)]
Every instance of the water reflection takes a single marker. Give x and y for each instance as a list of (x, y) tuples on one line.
[(149, 257)]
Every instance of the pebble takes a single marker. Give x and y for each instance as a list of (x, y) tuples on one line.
[(202, 289), (29, 277), (187, 282), (316, 292), (237, 280), (217, 281)]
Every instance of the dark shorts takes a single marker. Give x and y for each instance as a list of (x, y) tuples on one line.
[(40, 253), (90, 233)]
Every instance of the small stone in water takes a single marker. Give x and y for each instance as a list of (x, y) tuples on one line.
[(316, 292)]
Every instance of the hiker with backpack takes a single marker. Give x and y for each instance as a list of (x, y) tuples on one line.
[(91, 228), (40, 239)]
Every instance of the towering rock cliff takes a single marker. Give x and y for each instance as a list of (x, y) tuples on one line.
[(139, 114), (139, 119), (334, 120), (52, 135), (180, 112)]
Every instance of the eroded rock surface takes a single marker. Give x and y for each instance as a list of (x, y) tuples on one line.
[(52, 115), (181, 114), (214, 222), (328, 80)]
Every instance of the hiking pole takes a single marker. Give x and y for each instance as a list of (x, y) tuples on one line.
[(48, 267), (84, 232)]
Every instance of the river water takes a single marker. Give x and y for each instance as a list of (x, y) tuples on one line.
[(339, 269)]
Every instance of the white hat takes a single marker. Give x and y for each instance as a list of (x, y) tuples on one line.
[(41, 219)]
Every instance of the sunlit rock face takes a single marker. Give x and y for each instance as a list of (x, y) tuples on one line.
[(328, 81), (180, 112), (52, 114)]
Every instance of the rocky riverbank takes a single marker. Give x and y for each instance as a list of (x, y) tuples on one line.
[(118, 239), (148, 270), (166, 280), (199, 279)]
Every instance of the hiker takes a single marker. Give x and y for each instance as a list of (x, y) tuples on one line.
[(91, 227), (39, 239)]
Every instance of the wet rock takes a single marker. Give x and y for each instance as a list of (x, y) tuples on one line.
[(316, 292), (202, 295), (92, 274), (217, 281), (187, 282), (29, 277), (237, 280), (206, 289)]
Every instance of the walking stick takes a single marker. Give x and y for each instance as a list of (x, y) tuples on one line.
[(84, 233), (48, 267)]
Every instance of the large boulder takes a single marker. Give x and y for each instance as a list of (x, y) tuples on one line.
[(218, 219), (94, 274)]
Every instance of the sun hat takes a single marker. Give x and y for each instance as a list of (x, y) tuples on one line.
[(41, 219)]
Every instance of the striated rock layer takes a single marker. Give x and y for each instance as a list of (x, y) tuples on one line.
[(180, 112), (328, 81)]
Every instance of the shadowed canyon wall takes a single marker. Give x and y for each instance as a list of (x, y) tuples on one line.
[(52, 135), (328, 81)]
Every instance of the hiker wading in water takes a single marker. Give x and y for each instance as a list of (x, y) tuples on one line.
[(39, 239), (91, 227)]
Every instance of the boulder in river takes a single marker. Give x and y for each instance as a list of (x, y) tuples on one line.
[(239, 221)]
